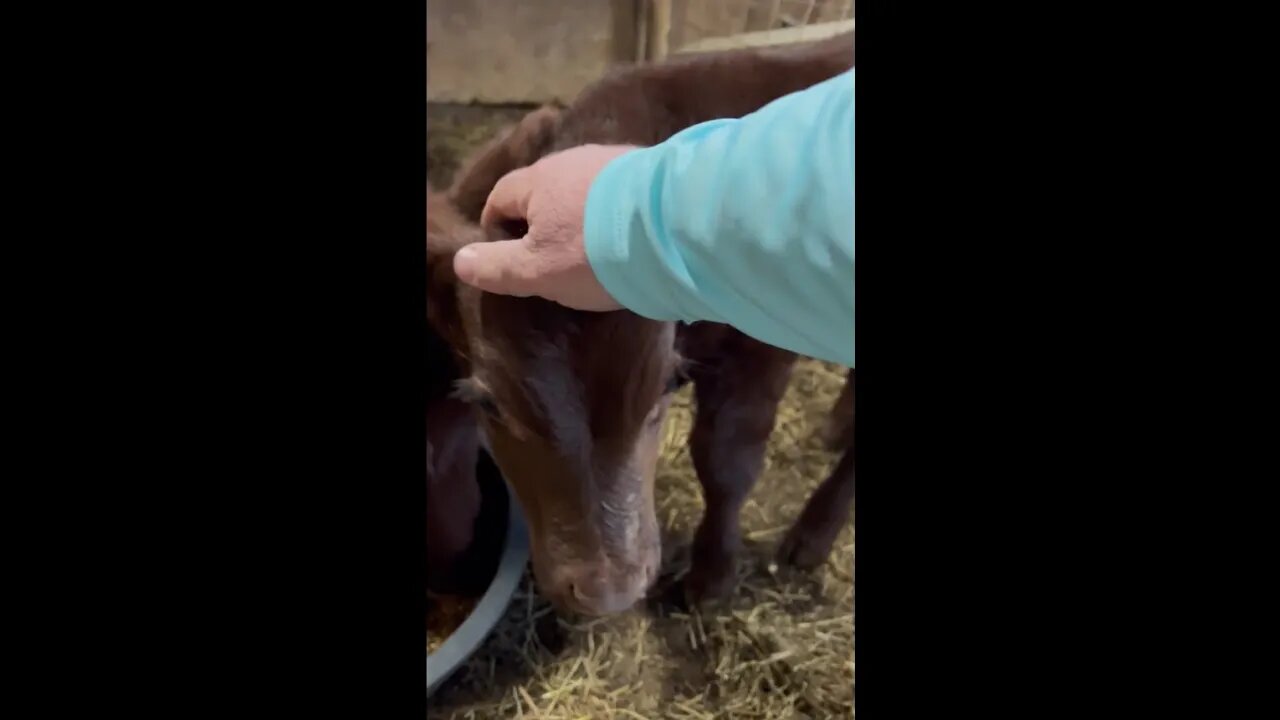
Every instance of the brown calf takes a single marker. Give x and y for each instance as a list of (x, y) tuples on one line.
[(572, 402)]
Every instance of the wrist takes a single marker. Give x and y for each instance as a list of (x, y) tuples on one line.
[(613, 250)]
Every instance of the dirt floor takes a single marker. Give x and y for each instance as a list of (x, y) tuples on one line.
[(782, 647)]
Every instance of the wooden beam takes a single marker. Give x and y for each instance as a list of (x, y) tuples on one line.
[(830, 11), (679, 11), (659, 29), (784, 36), (808, 12), (626, 36), (642, 31), (763, 16)]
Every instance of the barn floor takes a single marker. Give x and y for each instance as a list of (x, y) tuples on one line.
[(782, 647)]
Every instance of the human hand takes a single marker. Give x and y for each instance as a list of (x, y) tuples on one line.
[(550, 261)]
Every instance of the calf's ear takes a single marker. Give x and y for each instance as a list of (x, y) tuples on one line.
[(514, 148), (447, 232)]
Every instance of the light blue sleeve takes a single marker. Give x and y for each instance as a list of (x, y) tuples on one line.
[(747, 222)]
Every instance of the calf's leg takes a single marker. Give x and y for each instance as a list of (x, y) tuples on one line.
[(839, 430), (737, 400), (809, 541)]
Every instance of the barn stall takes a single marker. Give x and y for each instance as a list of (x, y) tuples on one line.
[(782, 645)]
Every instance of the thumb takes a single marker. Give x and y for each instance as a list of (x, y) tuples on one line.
[(505, 267), (509, 199)]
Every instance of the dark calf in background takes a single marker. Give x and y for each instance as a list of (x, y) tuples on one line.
[(465, 511), (453, 493), (572, 402)]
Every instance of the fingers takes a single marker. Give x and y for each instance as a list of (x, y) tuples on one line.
[(505, 267), (509, 199)]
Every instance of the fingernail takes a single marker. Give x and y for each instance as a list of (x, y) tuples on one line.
[(463, 261)]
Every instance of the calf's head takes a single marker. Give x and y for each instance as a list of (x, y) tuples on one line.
[(572, 405)]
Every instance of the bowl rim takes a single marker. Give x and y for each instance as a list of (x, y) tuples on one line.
[(464, 641)]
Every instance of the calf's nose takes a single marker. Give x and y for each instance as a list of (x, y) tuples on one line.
[(595, 591)]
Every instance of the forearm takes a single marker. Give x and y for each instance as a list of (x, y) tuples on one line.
[(748, 222)]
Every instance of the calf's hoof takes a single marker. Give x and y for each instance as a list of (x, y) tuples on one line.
[(709, 584), (806, 549), (837, 434)]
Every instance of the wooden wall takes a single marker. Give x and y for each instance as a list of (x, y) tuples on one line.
[(523, 51)]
